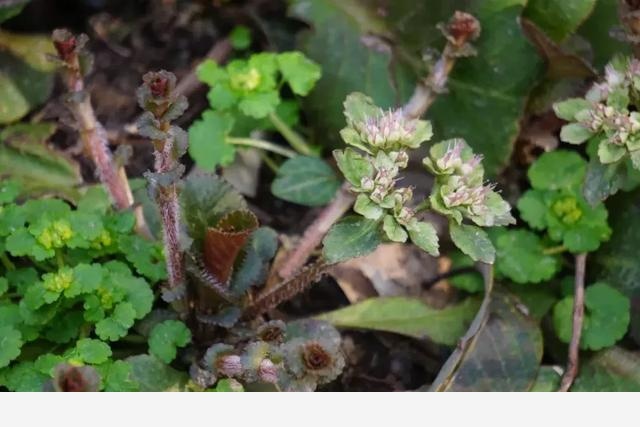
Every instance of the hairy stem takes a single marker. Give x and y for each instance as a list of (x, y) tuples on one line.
[(578, 316), (294, 139), (314, 234), (263, 145)]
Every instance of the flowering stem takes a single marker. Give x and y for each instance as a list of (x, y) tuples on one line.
[(263, 145), (294, 139), (578, 316), (461, 29)]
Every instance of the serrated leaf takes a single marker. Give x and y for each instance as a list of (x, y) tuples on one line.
[(153, 375), (207, 140), (305, 180), (533, 209), (258, 252), (424, 236), (92, 351), (351, 237), (407, 316), (606, 317), (166, 336), (204, 200), (520, 257), (224, 240), (557, 170), (10, 345), (503, 355), (146, 256), (299, 72), (614, 369), (118, 377), (353, 165), (473, 241), (24, 377)]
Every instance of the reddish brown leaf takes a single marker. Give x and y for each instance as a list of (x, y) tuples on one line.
[(223, 243)]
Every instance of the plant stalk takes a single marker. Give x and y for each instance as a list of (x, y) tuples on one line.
[(573, 357), (294, 139), (263, 145)]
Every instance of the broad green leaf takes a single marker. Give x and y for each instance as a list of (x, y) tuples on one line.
[(533, 208), (166, 337), (407, 316), (207, 140), (118, 377), (496, 82), (557, 170), (351, 237), (336, 43), (503, 355), (559, 19), (614, 369), (520, 257), (606, 317), (597, 31), (424, 236), (575, 133), (26, 80), (353, 165), (548, 379), (10, 344), (92, 351), (367, 207), (394, 231), (568, 108), (153, 375), (299, 72), (473, 241), (38, 167), (307, 181)]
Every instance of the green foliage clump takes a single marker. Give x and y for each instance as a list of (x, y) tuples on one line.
[(556, 204), (69, 284)]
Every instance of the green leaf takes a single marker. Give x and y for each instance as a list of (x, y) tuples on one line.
[(610, 153), (568, 108), (557, 170), (394, 231), (575, 133), (116, 326), (26, 80), (351, 237), (166, 336), (503, 355), (37, 166), (335, 43), (12, 9), (353, 165), (146, 256), (118, 377), (10, 345), (614, 369), (204, 200), (520, 257), (606, 317), (367, 208), (153, 375), (472, 281), (299, 72), (533, 209), (548, 380), (597, 29), (307, 181), (497, 80), (207, 140), (424, 236), (258, 252), (24, 377), (92, 351), (559, 19), (259, 104), (473, 241), (240, 37), (4, 286), (407, 316)]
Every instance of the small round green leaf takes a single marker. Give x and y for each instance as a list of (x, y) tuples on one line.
[(166, 336)]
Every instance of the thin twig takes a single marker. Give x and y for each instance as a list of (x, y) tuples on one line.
[(578, 316), (314, 234)]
